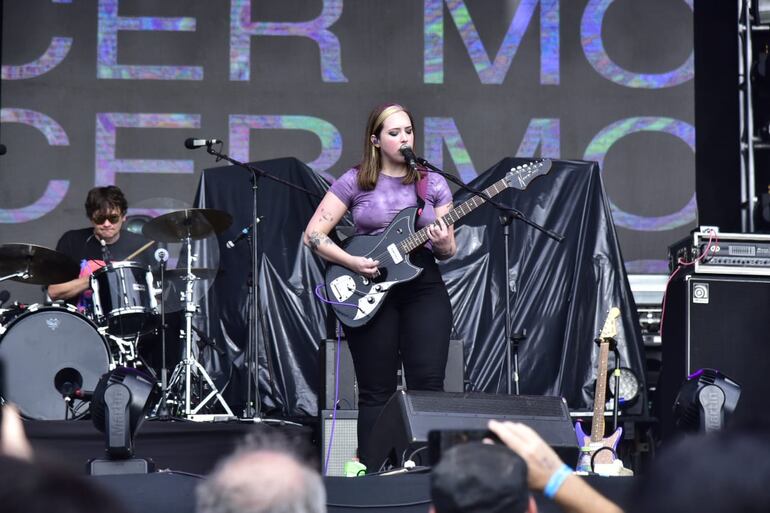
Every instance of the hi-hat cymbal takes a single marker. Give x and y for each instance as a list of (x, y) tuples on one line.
[(195, 223), (44, 265)]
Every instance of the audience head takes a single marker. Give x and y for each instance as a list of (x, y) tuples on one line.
[(264, 475), (27, 487), (718, 472), (480, 478)]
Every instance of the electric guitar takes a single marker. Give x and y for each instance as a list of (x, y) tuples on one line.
[(355, 298), (589, 445)]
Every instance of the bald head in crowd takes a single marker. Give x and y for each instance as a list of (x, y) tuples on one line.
[(262, 480)]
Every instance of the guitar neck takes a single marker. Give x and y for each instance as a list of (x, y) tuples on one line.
[(597, 425), (420, 237)]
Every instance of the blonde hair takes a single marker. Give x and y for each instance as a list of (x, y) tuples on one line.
[(371, 162)]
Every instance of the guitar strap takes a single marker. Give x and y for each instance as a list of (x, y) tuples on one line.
[(422, 191)]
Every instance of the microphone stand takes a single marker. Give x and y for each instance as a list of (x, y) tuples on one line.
[(253, 410), (507, 216), (163, 413)]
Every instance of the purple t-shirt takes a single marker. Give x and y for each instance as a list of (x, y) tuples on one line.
[(374, 210)]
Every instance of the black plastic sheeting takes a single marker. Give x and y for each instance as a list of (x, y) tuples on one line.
[(560, 292)]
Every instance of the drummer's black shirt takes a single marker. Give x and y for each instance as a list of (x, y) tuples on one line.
[(83, 245)]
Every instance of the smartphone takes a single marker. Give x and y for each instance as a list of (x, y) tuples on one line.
[(441, 440)]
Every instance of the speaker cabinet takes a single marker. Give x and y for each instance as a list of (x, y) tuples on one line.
[(344, 442), (348, 388), (408, 417), (454, 380), (718, 322)]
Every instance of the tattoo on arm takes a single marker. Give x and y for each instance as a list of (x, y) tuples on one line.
[(318, 238)]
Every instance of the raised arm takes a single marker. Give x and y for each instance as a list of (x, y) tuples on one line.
[(327, 215), (547, 473)]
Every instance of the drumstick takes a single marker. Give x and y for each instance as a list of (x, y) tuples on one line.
[(132, 255)]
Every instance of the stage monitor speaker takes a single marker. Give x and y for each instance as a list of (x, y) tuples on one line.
[(403, 426), (454, 379), (718, 322), (343, 444)]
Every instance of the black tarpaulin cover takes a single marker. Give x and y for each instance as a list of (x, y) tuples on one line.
[(560, 292)]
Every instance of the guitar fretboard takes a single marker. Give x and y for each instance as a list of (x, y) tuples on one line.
[(420, 237), (597, 425)]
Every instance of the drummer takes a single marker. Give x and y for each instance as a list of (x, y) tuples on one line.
[(105, 241)]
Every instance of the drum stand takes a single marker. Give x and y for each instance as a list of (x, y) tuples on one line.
[(190, 364)]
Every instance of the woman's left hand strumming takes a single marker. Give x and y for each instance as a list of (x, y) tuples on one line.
[(441, 238)]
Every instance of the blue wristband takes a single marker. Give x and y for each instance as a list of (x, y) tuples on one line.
[(557, 479)]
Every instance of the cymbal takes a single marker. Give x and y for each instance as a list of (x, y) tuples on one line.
[(201, 273), (44, 265), (195, 223)]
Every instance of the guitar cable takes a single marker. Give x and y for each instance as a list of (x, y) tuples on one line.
[(330, 302), (600, 449), (713, 241)]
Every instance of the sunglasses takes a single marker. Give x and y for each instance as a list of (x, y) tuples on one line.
[(101, 218)]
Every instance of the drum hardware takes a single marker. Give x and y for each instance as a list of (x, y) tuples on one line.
[(186, 226)]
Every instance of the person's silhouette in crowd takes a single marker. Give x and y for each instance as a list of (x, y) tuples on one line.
[(480, 478)]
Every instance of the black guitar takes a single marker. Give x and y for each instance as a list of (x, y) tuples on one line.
[(357, 299)]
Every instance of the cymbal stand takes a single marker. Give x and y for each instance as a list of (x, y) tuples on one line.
[(190, 363)]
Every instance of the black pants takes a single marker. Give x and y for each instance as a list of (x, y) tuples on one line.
[(413, 326)]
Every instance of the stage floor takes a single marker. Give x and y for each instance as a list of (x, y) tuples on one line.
[(192, 447), (184, 452)]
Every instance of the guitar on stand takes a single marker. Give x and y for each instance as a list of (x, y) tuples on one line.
[(596, 448)]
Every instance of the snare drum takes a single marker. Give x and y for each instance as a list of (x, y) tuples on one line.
[(49, 351), (123, 298)]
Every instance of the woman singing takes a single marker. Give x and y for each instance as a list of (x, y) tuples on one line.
[(413, 324)]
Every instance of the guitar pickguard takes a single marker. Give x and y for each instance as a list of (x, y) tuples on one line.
[(369, 303), (343, 287)]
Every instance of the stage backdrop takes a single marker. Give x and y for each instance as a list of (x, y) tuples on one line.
[(106, 91), (560, 292)]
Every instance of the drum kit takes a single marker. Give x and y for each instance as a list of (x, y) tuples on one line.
[(53, 354)]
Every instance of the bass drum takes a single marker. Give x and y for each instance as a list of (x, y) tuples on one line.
[(48, 351)]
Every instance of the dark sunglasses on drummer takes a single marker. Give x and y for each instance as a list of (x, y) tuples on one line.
[(100, 218)]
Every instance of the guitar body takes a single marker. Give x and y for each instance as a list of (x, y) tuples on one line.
[(589, 448), (357, 299)]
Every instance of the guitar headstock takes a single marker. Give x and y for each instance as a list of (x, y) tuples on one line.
[(520, 176), (610, 328)]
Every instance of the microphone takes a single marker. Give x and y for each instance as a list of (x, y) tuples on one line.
[(161, 255), (105, 251), (244, 233), (409, 156), (3, 149), (192, 143)]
